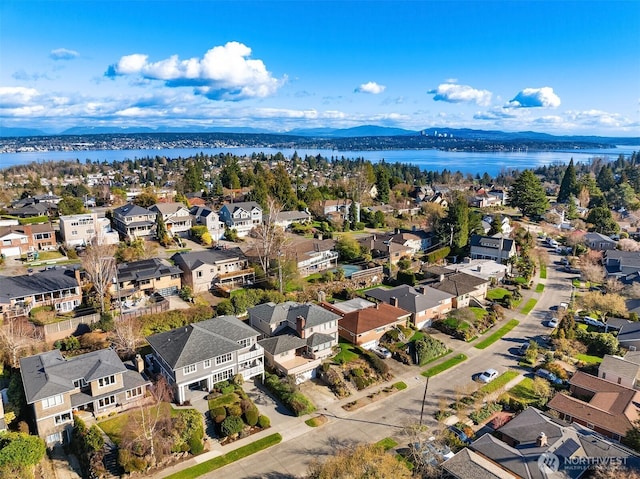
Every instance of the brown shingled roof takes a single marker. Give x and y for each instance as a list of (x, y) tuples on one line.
[(368, 319)]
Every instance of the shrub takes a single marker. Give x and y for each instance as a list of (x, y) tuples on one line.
[(218, 414), (234, 410), (485, 412), (376, 363), (231, 425), (558, 370), (428, 348), (251, 416), (196, 445), (287, 393), (264, 422), (438, 254)]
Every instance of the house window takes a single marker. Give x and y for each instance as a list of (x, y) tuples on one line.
[(222, 376), (619, 380), (604, 375), (589, 425), (134, 393), (245, 343), (62, 418), (225, 358), (207, 363), (198, 274), (79, 383), (54, 438), (106, 381), (191, 368), (52, 401), (108, 401)]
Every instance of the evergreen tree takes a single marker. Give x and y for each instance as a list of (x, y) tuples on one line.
[(457, 222), (161, 231), (496, 225), (382, 183), (602, 221), (569, 184), (527, 194), (605, 179), (193, 179)]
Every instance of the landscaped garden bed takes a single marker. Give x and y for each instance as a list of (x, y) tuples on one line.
[(468, 323), (235, 415), (375, 396)]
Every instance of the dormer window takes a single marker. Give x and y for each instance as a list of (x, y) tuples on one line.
[(106, 381), (79, 383)]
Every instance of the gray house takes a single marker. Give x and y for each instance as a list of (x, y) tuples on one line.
[(133, 221), (624, 265), (497, 248), (202, 354), (599, 242), (96, 382), (204, 216)]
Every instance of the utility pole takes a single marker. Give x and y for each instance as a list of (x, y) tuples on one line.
[(280, 271), (424, 398)]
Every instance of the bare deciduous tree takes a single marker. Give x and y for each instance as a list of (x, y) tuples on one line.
[(268, 238), (16, 334), (100, 265), (628, 244), (127, 334)]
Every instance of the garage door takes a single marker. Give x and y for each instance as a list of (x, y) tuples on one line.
[(300, 378), (168, 291), (369, 345), (15, 251)]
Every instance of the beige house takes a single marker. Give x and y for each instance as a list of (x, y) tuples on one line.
[(133, 221), (96, 382), (82, 230), (621, 370), (176, 217), (146, 277), (214, 268)]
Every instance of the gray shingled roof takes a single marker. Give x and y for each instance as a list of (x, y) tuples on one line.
[(501, 453), (316, 339), (48, 374), (199, 341), (458, 284), (281, 344), (468, 464), (245, 205), (408, 298), (289, 311), (146, 269), (40, 282), (194, 259), (131, 209)]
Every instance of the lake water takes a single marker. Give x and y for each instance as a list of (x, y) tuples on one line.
[(436, 160)]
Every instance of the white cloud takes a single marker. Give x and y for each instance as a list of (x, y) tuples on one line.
[(63, 54), (224, 73), (455, 93), (15, 96), (535, 97), (370, 87)]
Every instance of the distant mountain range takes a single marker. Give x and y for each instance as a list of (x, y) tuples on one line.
[(356, 132)]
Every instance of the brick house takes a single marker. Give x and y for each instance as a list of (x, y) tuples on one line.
[(17, 240)]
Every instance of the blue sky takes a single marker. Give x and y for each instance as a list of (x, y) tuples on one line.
[(558, 67)]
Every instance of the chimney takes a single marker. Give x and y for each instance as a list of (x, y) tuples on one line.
[(300, 323), (441, 278), (322, 296), (393, 301), (541, 440), (139, 363)]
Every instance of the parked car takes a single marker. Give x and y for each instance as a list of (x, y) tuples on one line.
[(549, 376), (488, 375), (593, 322), (459, 434), (553, 323), (381, 351), (563, 306)]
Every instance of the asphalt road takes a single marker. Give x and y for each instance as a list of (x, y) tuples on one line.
[(386, 418)]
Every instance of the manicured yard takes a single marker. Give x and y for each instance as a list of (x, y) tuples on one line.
[(529, 306), (449, 363), (499, 382), (316, 421), (588, 359), (48, 255), (114, 426), (488, 341), (523, 391), (347, 353), (228, 458), (539, 288), (387, 443), (543, 271), (496, 294), (479, 313)]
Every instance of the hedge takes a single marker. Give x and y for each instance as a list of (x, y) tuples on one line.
[(438, 254)]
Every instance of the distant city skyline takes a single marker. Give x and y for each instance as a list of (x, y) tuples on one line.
[(559, 67)]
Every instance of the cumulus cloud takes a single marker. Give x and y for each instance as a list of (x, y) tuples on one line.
[(535, 98), (63, 54), (16, 96), (370, 87), (455, 93), (224, 73)]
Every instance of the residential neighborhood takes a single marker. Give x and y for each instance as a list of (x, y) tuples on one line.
[(291, 316)]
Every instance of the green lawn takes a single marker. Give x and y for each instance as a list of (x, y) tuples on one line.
[(488, 341), (449, 363), (417, 335), (224, 400), (499, 382), (228, 458), (387, 443), (479, 313), (114, 426), (576, 283), (543, 271), (588, 359), (539, 288), (524, 391), (496, 294), (529, 306), (347, 353), (48, 255)]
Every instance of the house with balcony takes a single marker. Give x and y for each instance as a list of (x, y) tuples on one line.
[(58, 288), (498, 248), (97, 382), (204, 216), (214, 268), (336, 210), (202, 354), (176, 217), (315, 330), (242, 217), (145, 277), (16, 240), (84, 229), (314, 255), (424, 304), (465, 288), (133, 221)]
